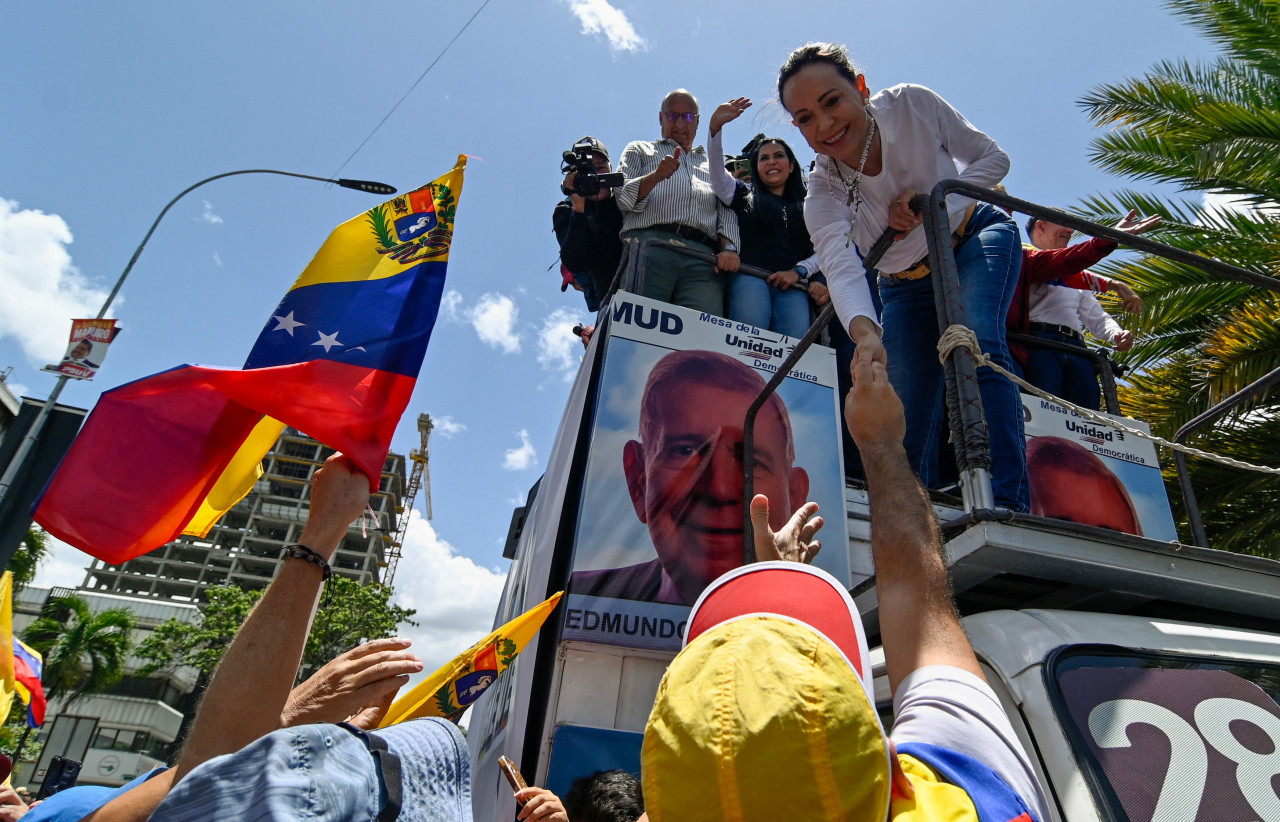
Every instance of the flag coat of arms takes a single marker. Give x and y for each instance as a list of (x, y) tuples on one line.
[(171, 453), (459, 682)]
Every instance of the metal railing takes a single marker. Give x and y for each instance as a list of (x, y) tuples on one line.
[(964, 404)]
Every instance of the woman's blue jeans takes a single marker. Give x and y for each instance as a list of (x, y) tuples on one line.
[(989, 262), (754, 301)]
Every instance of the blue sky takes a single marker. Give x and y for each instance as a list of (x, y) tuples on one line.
[(112, 108)]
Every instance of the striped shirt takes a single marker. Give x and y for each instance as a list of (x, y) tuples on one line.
[(685, 197)]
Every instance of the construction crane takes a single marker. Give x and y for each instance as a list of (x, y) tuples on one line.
[(419, 477)]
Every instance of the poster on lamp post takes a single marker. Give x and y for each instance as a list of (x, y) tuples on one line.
[(86, 349)]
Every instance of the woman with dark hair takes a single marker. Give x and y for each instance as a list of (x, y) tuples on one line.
[(770, 213), (875, 152)]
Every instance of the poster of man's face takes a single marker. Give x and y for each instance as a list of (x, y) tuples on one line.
[(662, 505)]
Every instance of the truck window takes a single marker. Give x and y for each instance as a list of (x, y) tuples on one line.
[(1171, 737)]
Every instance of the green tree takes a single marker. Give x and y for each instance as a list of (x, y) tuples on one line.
[(1206, 127), (349, 614), (83, 652), (33, 550)]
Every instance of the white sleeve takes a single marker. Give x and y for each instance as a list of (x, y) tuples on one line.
[(846, 277), (1096, 319), (946, 706), (722, 183), (632, 169), (985, 163)]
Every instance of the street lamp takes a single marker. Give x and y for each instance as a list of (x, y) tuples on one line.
[(29, 441)]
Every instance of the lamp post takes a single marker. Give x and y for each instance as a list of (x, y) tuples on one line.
[(29, 440)]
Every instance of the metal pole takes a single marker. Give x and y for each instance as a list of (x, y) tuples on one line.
[(29, 441)]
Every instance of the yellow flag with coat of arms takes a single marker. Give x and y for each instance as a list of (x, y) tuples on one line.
[(459, 682)]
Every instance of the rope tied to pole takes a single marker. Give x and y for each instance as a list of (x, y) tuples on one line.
[(958, 336)]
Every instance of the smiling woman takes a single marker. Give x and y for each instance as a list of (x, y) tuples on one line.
[(875, 152)]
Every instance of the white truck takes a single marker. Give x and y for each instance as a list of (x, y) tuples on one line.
[(1142, 674)]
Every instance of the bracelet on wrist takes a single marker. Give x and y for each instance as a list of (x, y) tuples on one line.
[(302, 552)]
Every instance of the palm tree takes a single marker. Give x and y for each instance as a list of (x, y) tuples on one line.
[(83, 651), (33, 550), (1214, 128)]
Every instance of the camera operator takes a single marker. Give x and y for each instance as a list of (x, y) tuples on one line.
[(587, 222)]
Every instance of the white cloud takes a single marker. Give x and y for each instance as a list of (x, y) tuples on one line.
[(18, 389), (208, 216), (449, 304), (558, 347), (64, 567), (447, 426), (217, 259), (40, 290), (519, 459), (456, 599), (494, 319), (518, 500), (599, 17)]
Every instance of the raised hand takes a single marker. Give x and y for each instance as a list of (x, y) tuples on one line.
[(351, 682), (795, 542), (728, 112), (872, 409), (1132, 225)]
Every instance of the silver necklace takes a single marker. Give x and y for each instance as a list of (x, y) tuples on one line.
[(853, 187)]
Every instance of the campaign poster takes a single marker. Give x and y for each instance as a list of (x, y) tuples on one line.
[(86, 349), (661, 508), (1093, 474)]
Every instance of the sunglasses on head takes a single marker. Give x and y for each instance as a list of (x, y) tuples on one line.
[(677, 116)]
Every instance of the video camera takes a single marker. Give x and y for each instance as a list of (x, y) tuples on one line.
[(588, 181)]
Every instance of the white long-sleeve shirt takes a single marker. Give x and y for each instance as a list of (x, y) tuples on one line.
[(1059, 305), (924, 140)]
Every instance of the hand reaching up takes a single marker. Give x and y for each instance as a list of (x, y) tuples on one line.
[(795, 542)]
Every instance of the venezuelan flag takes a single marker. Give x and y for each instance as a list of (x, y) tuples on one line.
[(171, 453), (28, 667), (455, 685)]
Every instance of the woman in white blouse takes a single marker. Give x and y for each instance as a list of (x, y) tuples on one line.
[(874, 153)]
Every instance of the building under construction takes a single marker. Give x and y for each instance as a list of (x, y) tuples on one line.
[(243, 548)]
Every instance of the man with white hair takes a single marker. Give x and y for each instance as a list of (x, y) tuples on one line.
[(668, 196)]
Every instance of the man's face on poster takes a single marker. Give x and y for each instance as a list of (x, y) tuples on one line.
[(80, 350), (685, 479)]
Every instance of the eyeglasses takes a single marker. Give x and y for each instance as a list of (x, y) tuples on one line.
[(677, 116)]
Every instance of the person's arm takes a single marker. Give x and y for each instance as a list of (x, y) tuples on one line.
[(1101, 324), (1042, 265), (249, 690), (576, 237), (633, 194), (846, 276), (727, 227), (918, 619), (722, 182), (984, 162)]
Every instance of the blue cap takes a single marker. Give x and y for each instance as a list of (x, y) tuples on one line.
[(414, 770)]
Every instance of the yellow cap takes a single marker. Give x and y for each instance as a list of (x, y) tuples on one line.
[(762, 718)]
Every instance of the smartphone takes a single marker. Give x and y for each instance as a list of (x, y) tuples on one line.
[(62, 774), (512, 773), (742, 166)]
